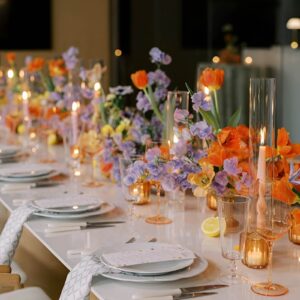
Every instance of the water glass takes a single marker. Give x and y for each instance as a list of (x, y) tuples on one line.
[(233, 214)]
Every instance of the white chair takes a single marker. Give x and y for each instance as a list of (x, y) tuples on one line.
[(30, 293)]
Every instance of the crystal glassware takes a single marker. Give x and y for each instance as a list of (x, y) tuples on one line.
[(294, 232), (233, 214)]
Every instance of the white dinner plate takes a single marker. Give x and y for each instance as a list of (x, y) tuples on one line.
[(147, 269), (199, 266), (76, 204), (104, 209), (29, 179), (9, 150)]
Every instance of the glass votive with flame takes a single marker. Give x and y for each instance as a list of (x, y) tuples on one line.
[(140, 192), (256, 251), (75, 152), (294, 232)]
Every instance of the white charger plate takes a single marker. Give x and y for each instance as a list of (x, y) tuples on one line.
[(199, 266), (104, 209), (9, 150), (147, 269), (29, 179)]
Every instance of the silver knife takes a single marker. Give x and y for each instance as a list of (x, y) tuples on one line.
[(177, 292), (83, 224), (181, 297), (75, 228)]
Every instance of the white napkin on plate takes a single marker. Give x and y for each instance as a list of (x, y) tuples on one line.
[(11, 233)]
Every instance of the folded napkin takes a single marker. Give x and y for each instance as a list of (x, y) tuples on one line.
[(79, 280), (11, 233)]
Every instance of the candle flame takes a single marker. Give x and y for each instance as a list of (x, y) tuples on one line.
[(262, 135), (175, 139), (75, 105), (25, 95), (97, 86), (206, 90), (10, 73)]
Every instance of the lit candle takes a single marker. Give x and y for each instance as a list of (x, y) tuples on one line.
[(261, 176), (25, 96), (255, 257), (74, 120)]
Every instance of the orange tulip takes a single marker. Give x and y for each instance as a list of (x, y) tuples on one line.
[(216, 155), (140, 79), (212, 78), (36, 64), (229, 138), (11, 57), (57, 67)]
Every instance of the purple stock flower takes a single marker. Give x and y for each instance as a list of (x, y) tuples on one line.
[(201, 129), (179, 149), (245, 180), (156, 170), (142, 102), (55, 96), (59, 81), (70, 58), (128, 148), (160, 93), (87, 93), (231, 166), (200, 100), (181, 115), (159, 78), (160, 57), (82, 74), (121, 90), (135, 172), (169, 183), (294, 176), (153, 154), (220, 182)]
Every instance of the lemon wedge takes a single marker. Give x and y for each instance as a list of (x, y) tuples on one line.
[(211, 226)]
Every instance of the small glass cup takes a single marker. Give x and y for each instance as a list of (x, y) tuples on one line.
[(139, 192), (233, 214), (294, 231), (211, 200)]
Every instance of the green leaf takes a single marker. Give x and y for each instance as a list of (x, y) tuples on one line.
[(235, 118), (189, 89)]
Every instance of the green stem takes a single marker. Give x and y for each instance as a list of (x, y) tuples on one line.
[(150, 96), (217, 110)]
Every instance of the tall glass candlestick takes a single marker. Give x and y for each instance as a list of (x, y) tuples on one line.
[(74, 119)]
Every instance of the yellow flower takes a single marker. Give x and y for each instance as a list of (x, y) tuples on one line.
[(203, 179), (124, 125), (199, 192), (107, 130)]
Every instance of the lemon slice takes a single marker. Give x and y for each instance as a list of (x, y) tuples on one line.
[(211, 226)]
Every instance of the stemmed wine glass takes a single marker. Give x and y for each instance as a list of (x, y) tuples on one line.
[(233, 214), (92, 145), (271, 226)]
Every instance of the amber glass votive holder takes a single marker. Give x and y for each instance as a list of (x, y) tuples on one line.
[(294, 231), (256, 251), (140, 192), (211, 200)]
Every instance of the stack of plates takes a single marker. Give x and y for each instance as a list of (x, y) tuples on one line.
[(27, 173), (9, 153), (66, 207), (151, 262)]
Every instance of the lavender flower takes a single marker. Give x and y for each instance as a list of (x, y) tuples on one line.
[(135, 172), (83, 74), (220, 182), (160, 93), (152, 154), (179, 149), (202, 130), (87, 93), (159, 78), (121, 90), (181, 115), (200, 100), (168, 183), (59, 81), (231, 166), (160, 57), (294, 176), (142, 102), (245, 180), (70, 58)]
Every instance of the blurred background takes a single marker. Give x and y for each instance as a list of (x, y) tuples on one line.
[(250, 38)]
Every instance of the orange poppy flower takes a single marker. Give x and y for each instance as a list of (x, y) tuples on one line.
[(36, 64), (229, 138), (284, 145), (212, 78), (282, 190), (57, 67), (10, 57), (140, 79), (216, 155)]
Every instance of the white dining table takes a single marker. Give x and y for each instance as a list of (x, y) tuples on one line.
[(186, 216)]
